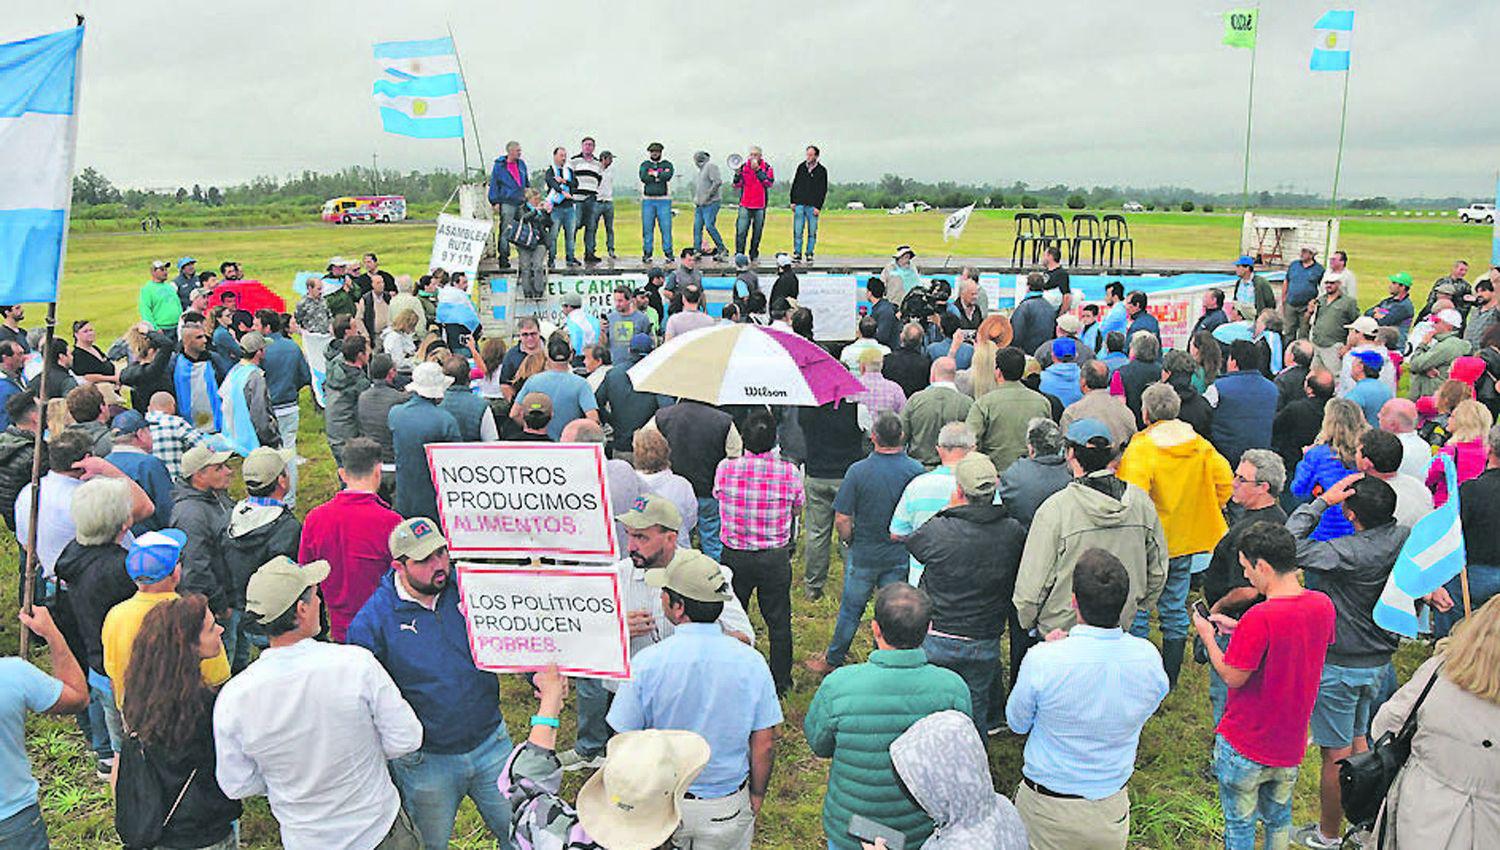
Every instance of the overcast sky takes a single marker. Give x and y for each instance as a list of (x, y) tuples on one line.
[(1142, 93)]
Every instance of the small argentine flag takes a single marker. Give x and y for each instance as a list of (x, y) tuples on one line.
[(1335, 34), (1432, 555), (418, 88), (38, 136)]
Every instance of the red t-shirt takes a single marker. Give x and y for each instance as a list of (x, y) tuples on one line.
[(352, 533), (1282, 642)]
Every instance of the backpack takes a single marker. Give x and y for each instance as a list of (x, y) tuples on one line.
[(522, 233), (142, 809)]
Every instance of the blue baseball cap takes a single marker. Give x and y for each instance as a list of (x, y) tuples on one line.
[(1084, 431), (153, 555), (1245, 260), (128, 422), (184, 261), (641, 344), (1064, 347), (1371, 360)]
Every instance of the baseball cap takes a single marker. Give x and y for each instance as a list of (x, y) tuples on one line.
[(976, 475), (783, 259), (654, 146), (416, 539), (1069, 323), (1371, 360), (1451, 317), (185, 261), (1365, 325), (160, 264), (651, 509), (693, 575), (1064, 347), (274, 588), (1445, 289), (741, 261), (641, 344), (197, 457), (1083, 432), (1245, 260), (537, 401), (1309, 249), (128, 422), (252, 342), (338, 261), (263, 466), (153, 555), (1401, 278), (559, 350), (572, 299)]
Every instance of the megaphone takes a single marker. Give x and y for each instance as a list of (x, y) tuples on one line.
[(734, 162)]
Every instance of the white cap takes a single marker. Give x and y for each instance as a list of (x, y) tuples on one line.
[(1450, 317)]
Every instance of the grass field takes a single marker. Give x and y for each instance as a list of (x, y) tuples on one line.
[(1174, 804)]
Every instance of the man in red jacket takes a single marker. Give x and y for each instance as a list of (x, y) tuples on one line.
[(754, 179), (351, 532)]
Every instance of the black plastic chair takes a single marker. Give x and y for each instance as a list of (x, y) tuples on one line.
[(1117, 239), (1025, 237), (1052, 232), (1086, 230)]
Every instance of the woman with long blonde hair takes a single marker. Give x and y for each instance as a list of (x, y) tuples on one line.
[(1468, 424), (1329, 460), (993, 334), (400, 339), (1447, 796)]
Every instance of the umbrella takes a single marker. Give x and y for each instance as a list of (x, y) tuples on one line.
[(744, 364)]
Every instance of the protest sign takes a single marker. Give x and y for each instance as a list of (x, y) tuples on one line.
[(524, 500), (596, 292), (523, 619), (831, 299), (458, 244)]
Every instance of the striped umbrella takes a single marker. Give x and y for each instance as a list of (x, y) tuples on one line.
[(744, 364)]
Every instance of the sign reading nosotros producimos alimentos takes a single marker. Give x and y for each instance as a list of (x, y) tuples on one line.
[(524, 499), (522, 619)]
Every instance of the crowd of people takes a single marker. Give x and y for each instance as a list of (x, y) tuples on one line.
[(1020, 493)]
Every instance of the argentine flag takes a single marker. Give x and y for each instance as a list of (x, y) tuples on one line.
[(1432, 555), (38, 135), (418, 88), (1335, 32)]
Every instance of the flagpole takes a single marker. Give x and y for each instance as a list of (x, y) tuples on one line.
[(1338, 162), (473, 122), (1250, 112)]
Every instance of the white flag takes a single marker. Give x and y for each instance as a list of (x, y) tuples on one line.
[(953, 227)]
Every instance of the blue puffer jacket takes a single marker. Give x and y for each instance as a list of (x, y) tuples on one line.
[(1061, 380), (503, 188), (1319, 470)]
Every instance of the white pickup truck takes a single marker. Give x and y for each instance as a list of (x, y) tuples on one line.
[(1483, 213)]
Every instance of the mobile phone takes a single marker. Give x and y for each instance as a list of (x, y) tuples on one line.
[(1200, 609), (865, 829)]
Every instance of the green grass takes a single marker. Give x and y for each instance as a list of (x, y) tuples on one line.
[(1174, 805)]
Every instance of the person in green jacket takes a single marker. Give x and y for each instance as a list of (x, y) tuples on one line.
[(860, 709), (1429, 362), (1251, 288), (159, 305), (1332, 313), (1000, 416)]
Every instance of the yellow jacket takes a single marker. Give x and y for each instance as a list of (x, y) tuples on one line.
[(1188, 480)]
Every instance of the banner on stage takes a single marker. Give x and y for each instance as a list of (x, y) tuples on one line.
[(831, 300), (522, 619), (458, 244), (523, 500)]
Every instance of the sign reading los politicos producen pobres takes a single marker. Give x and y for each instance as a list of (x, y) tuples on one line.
[(458, 244), (524, 500), (522, 619)]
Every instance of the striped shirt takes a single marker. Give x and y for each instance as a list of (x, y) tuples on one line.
[(923, 497), (759, 497), (587, 171)]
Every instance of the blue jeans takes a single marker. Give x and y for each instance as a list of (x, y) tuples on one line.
[(588, 219), (1484, 582), (708, 527), (859, 585), (101, 691), (706, 217), (1171, 607), (977, 661), (802, 214), (603, 211), (656, 213), (1218, 690), (593, 706), (432, 785), (24, 830), (1249, 790), (564, 219), (288, 420), (236, 641), (743, 224), (508, 214)]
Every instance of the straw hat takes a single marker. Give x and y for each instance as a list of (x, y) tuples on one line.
[(634, 801)]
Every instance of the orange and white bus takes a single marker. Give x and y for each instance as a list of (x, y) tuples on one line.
[(365, 208)]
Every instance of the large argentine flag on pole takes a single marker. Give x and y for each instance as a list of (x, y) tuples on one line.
[(1432, 555), (38, 135), (1335, 33), (418, 88)]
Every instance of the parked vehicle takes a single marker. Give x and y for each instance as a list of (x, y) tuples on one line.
[(1132, 206), (910, 207), (1484, 213), (365, 208), (854, 205)]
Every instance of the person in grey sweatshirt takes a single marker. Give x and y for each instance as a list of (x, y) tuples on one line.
[(942, 762), (706, 188)]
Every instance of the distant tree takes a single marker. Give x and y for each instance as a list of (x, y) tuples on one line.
[(1208, 207), (181, 194), (1029, 202), (197, 193), (1187, 206), (1076, 202), (214, 197), (92, 187)]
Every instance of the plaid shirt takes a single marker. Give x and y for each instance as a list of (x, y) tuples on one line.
[(171, 437), (880, 395), (759, 497)]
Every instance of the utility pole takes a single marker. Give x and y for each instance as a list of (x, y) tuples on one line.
[(374, 171)]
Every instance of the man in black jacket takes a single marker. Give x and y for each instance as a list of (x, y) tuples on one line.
[(201, 511), (908, 364), (1177, 370), (260, 527), (1297, 425), (834, 441), (970, 551), (809, 191), (1291, 382)]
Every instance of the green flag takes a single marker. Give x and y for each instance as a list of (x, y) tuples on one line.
[(1240, 26)]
